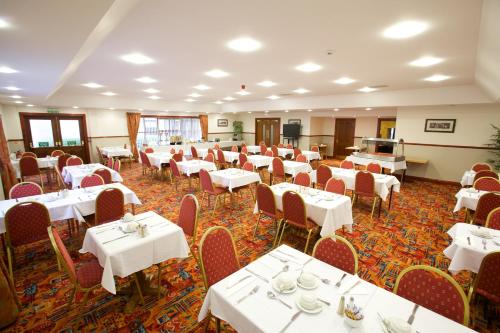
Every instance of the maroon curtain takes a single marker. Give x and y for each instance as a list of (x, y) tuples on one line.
[(204, 126), (6, 169), (133, 120)]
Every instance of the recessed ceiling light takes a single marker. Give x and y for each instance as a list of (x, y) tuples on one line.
[(19, 102), (249, 112), (367, 89), (229, 98), (266, 111), (273, 97), (75, 107), (405, 29), (12, 88), (301, 91), (108, 93), (344, 80), (368, 109), (243, 93), (30, 105), (426, 61), (92, 85), (219, 102), (336, 109), (244, 44), (202, 87), (190, 100), (154, 97), (111, 108), (286, 111), (437, 78), (308, 67), (141, 109), (151, 91), (216, 73), (137, 58), (146, 79), (195, 95), (4, 24), (7, 70), (165, 110), (234, 112), (16, 96), (267, 83), (309, 110)]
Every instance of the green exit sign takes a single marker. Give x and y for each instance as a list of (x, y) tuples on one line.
[(52, 110)]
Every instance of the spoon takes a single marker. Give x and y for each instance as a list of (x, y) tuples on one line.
[(272, 295), (279, 258), (324, 280), (484, 244), (340, 281), (285, 269)]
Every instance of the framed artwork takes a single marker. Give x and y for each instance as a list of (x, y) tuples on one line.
[(222, 123), (294, 121), (440, 125)]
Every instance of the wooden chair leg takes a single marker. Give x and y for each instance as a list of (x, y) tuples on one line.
[(72, 297), (138, 286), (278, 228), (86, 297), (373, 206), (256, 225), (10, 263), (217, 325), (215, 204), (307, 241), (159, 281), (282, 232)]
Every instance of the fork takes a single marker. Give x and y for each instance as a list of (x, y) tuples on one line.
[(412, 316), (253, 291), (339, 282)]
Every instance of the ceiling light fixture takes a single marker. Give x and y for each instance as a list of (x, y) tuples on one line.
[(92, 85), (19, 102), (367, 89), (137, 58), (308, 67), (249, 112), (405, 29), (108, 93), (286, 111), (368, 109), (229, 98), (267, 84), (202, 87), (30, 105), (111, 108), (426, 61), (7, 70), (301, 91), (216, 73), (190, 100), (154, 97), (75, 107), (344, 80), (219, 102), (273, 97), (336, 109), (437, 78), (146, 79), (243, 93), (151, 90), (244, 44), (12, 88), (309, 110), (16, 96), (195, 95), (4, 24)]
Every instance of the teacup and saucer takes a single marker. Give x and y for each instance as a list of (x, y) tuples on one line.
[(284, 283), (307, 281), (308, 302)]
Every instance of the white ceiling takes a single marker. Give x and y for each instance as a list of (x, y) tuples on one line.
[(187, 38)]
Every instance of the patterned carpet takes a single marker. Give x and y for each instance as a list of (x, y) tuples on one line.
[(413, 232)]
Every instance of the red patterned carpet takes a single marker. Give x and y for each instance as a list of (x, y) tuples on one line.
[(413, 232)]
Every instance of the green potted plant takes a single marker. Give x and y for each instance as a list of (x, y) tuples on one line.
[(495, 148), (237, 130)]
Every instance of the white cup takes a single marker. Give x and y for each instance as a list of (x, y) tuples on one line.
[(128, 217), (307, 280), (308, 301), (285, 281)]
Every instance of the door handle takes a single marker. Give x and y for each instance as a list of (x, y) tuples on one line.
[(31, 144)]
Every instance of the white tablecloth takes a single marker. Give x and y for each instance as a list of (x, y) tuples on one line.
[(467, 198), (292, 167), (468, 178), (260, 160), (469, 257), (233, 178), (383, 183), (310, 155), (43, 162), (125, 256), (187, 146), (283, 152), (194, 166), (116, 152), (330, 215), (253, 149), (77, 203), (157, 159), (258, 313), (393, 166), (75, 173)]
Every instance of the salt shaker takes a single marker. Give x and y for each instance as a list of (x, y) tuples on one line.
[(340, 310)]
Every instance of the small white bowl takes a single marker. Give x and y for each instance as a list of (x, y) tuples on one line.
[(353, 323)]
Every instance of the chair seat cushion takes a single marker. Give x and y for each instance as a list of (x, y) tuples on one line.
[(89, 274), (488, 295)]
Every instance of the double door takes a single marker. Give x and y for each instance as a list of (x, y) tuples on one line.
[(344, 136), (267, 130)]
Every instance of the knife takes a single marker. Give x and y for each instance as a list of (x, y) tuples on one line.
[(240, 280), (354, 285), (257, 275), (291, 321)]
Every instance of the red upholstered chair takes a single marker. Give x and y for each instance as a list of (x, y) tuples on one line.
[(489, 184), (296, 151), (105, 175), (481, 167), (210, 158), (177, 157), (267, 207), (289, 146), (346, 164), (280, 145), (218, 258), (263, 149), (176, 175), (172, 151), (181, 152), (61, 161), (221, 160), (147, 166), (248, 166), (274, 149), (109, 162), (149, 150), (493, 219), (434, 290), (244, 150), (302, 179), (92, 180), (29, 167), (487, 202), (295, 214), (194, 153), (56, 153), (217, 146), (338, 252), (242, 158), (278, 173), (315, 149), (301, 158), (374, 167), (234, 149), (25, 189), (335, 185), (74, 160), (25, 223), (117, 164), (28, 154), (323, 174), (109, 206), (208, 187), (487, 281), (270, 153), (485, 173), (211, 151), (364, 186)]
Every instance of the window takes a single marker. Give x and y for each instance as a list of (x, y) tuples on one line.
[(158, 130)]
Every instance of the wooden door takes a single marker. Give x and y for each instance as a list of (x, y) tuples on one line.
[(344, 136), (45, 132), (267, 130)]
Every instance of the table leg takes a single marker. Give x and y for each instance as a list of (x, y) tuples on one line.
[(132, 291), (133, 208), (390, 198), (270, 179)]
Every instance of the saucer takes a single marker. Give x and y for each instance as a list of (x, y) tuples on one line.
[(274, 283), (318, 309), (481, 234), (328, 198), (316, 284), (124, 229)]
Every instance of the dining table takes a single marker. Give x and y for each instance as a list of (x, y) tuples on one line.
[(73, 174), (253, 149), (116, 151), (260, 161), (233, 178), (251, 299), (467, 198), (468, 178), (291, 168), (47, 162), (310, 155), (393, 166)]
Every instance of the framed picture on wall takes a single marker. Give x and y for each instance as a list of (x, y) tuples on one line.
[(222, 122), (294, 121), (440, 125)]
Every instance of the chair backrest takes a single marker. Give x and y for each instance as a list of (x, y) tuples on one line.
[(244, 150), (211, 151), (270, 153), (242, 159), (289, 146), (109, 206), (335, 185), (28, 166), (218, 255), (294, 209), (485, 173), (109, 162), (487, 281), (210, 158), (149, 150), (62, 252), (274, 149), (263, 149), (177, 157), (278, 167), (280, 145), (188, 216), (338, 252), (315, 148), (24, 189), (374, 167), (266, 200), (172, 151), (487, 202), (117, 164), (174, 168), (301, 158), (26, 223), (105, 175), (145, 159), (323, 173), (194, 152), (248, 166), (91, 180), (345, 164), (56, 153), (206, 181), (435, 290), (216, 146), (181, 152), (480, 167), (61, 161), (493, 219), (489, 184), (220, 156), (364, 183), (234, 149), (302, 179), (296, 151), (29, 153), (74, 160)]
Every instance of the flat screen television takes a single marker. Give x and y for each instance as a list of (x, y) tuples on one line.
[(291, 131)]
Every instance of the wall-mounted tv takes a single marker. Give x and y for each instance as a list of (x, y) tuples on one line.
[(291, 131)]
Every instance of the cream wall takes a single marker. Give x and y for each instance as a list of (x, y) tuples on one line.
[(223, 133)]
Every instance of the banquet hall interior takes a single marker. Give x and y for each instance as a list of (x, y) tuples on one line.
[(261, 166)]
